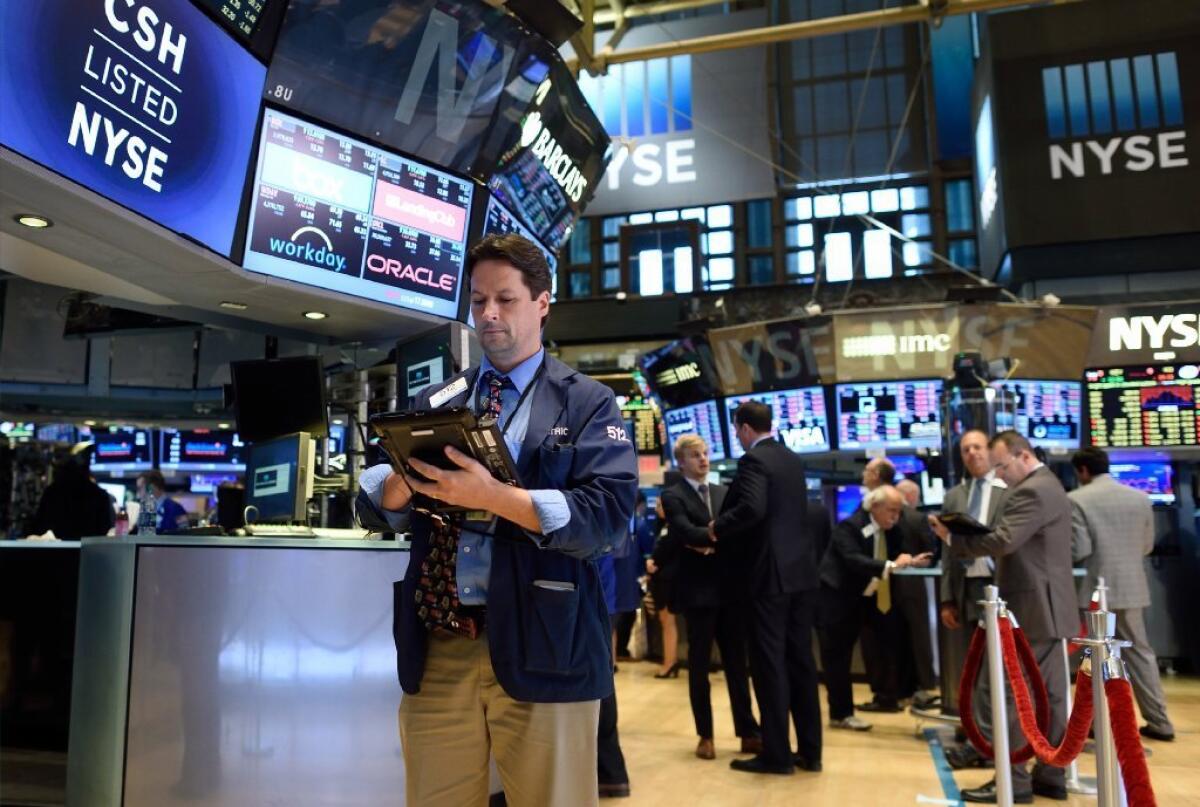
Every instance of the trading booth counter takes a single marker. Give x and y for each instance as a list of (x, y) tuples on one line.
[(235, 671)]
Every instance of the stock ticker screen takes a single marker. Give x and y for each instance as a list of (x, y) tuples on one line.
[(241, 16), (501, 220), (1135, 407), (889, 414), (701, 419), (336, 213), (800, 420), (1048, 413), (1153, 478), (200, 450), (639, 415), (121, 448)]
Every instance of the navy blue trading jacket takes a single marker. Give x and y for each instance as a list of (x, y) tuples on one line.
[(546, 645)]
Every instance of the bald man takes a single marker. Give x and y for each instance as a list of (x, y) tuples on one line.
[(856, 598), (911, 492)]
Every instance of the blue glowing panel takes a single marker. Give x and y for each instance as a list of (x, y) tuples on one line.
[(153, 107), (1152, 478), (702, 419)]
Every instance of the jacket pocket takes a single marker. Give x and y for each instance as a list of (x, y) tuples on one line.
[(550, 628), (554, 465)]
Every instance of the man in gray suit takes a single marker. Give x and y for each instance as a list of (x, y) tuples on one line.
[(1113, 530), (1031, 545), (981, 496)]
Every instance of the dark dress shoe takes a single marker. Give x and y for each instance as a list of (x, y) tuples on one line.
[(879, 706), (759, 765), (965, 756), (614, 791), (705, 749), (804, 765), (986, 794), (1049, 791), (752, 745), (1154, 734)]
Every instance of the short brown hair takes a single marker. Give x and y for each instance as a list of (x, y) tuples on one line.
[(524, 256), (1013, 441), (755, 414)]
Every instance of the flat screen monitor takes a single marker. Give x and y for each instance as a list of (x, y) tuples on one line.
[(1143, 407), (642, 426), (502, 220), (117, 491), (200, 450), (18, 432), (279, 479), (1155, 479), (1049, 413), (274, 397), (121, 449), (849, 499), (889, 415), (56, 433), (239, 16), (152, 106), (703, 419), (336, 213), (907, 465), (800, 420)]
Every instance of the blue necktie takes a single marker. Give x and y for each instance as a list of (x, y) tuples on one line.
[(975, 503)]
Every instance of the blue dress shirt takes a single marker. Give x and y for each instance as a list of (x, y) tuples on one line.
[(474, 558)]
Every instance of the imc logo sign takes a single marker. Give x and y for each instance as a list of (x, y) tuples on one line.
[(1113, 116), (647, 99)]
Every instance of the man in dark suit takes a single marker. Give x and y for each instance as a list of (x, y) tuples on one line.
[(981, 496), (856, 600), (502, 633), (1031, 545), (710, 596), (765, 514)]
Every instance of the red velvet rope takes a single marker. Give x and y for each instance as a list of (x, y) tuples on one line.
[(966, 690), (1014, 643), (1138, 789)]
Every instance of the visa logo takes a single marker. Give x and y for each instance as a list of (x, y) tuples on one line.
[(1126, 333), (1114, 97)]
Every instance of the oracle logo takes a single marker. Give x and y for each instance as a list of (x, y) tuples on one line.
[(400, 270)]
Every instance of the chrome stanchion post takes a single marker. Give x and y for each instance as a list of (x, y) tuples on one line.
[(1075, 784), (1105, 665), (992, 607)]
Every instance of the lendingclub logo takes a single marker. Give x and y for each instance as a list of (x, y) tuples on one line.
[(310, 245), (1105, 110)]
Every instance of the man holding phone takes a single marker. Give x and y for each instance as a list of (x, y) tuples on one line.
[(502, 634)]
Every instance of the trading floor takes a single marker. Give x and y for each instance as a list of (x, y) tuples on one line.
[(891, 764)]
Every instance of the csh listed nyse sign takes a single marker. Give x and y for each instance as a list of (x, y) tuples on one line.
[(147, 102)]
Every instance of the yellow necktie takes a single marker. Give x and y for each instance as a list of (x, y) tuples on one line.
[(883, 594)]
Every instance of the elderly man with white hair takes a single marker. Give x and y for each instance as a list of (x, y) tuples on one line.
[(856, 599)]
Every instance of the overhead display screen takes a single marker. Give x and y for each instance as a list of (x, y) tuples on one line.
[(443, 80), (800, 419), (200, 450), (703, 419), (889, 415), (501, 220), (1134, 407), (1048, 413), (241, 16), (1152, 478), (639, 415), (335, 213), (121, 448), (681, 373), (152, 106)]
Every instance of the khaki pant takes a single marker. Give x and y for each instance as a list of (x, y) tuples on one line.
[(545, 752)]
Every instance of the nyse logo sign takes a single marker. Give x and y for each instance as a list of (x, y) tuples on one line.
[(1156, 333), (649, 103), (1118, 115)]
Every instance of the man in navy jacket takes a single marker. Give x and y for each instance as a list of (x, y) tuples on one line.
[(524, 683)]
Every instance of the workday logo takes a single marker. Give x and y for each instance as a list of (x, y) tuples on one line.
[(309, 245), (647, 99), (1121, 114)]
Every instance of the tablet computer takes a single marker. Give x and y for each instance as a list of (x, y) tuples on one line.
[(424, 434), (963, 524)]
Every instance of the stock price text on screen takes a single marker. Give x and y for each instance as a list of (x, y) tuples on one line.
[(702, 419), (500, 220), (240, 15), (335, 213), (889, 414), (1131, 407), (645, 426), (1049, 413), (200, 450), (122, 448), (799, 419), (1151, 478)]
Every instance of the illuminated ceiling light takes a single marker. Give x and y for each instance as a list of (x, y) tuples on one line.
[(315, 315), (222, 425), (89, 423), (233, 305), (30, 220), (337, 422)]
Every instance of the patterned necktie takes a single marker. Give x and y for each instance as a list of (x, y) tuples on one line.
[(883, 594), (703, 491), (438, 606)]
